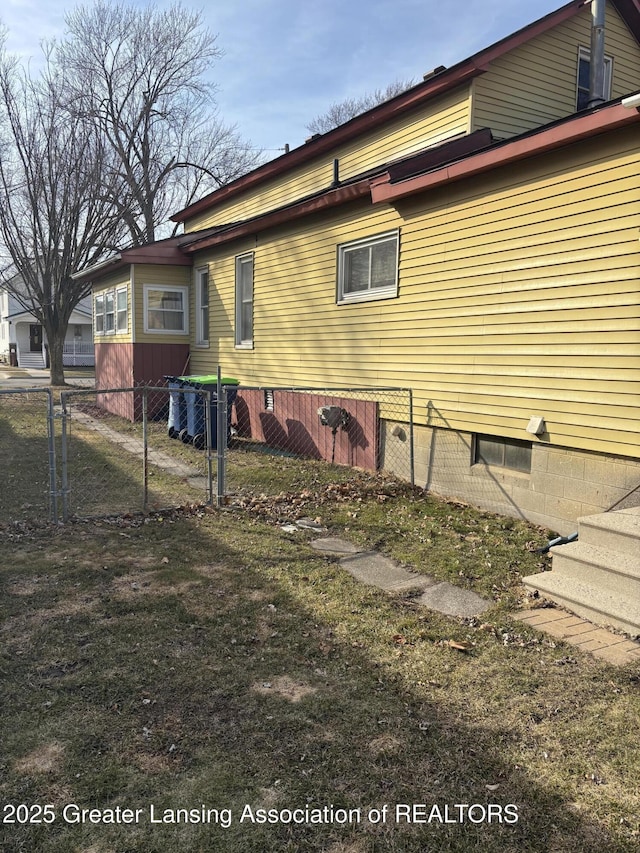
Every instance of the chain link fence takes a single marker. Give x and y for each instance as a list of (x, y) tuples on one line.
[(122, 450), (335, 430), (120, 455), (27, 456)]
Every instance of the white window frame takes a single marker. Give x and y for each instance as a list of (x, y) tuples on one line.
[(584, 55), (202, 308), (98, 314), (164, 288), (243, 340), (107, 317), (371, 293), (122, 314), (109, 312)]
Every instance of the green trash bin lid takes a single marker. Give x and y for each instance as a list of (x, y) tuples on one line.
[(212, 379)]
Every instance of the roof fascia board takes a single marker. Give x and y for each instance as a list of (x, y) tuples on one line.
[(558, 136), (444, 82), (326, 201), (629, 11)]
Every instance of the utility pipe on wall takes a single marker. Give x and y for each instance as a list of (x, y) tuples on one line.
[(596, 63)]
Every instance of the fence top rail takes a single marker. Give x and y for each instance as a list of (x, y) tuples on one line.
[(321, 390), (42, 390), (87, 392)]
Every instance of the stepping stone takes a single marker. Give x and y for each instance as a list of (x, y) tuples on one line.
[(372, 568), (453, 600), (335, 546)]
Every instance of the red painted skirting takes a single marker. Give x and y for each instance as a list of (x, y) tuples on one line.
[(294, 426)]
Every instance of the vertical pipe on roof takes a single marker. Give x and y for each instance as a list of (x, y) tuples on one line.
[(596, 64)]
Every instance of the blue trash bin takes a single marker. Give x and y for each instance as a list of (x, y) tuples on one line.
[(195, 432), (177, 420)]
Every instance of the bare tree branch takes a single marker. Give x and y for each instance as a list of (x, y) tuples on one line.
[(343, 111), (138, 73), (54, 213)]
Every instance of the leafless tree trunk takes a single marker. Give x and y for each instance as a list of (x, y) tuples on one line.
[(55, 215), (138, 74)]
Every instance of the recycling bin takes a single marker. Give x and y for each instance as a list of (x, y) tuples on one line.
[(177, 420), (195, 431)]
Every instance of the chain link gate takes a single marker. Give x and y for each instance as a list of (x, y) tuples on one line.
[(28, 456), (122, 450), (118, 456)]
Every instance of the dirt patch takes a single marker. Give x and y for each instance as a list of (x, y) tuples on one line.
[(269, 797), (286, 687), (27, 586), (385, 745), (43, 759), (346, 847)]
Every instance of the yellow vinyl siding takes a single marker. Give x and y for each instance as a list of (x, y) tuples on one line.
[(161, 275), (115, 281), (443, 119), (536, 83), (519, 295)]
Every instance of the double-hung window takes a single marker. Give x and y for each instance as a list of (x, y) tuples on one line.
[(99, 314), (584, 70), (244, 301), (122, 320), (202, 307), (111, 312), (368, 269), (166, 309)]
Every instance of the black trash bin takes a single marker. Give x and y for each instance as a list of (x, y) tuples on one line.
[(195, 408), (177, 420)]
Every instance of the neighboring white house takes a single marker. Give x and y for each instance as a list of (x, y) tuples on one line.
[(23, 342)]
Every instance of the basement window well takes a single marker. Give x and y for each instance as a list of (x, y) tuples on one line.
[(510, 453)]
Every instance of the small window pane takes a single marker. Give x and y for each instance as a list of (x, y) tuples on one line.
[(109, 315), (383, 262), (99, 314), (584, 67), (489, 451), (121, 305), (356, 270), (517, 455), (503, 452)]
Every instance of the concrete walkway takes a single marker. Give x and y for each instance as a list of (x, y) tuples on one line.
[(373, 569), (136, 448)]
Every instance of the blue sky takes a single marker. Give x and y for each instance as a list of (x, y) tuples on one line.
[(286, 61)]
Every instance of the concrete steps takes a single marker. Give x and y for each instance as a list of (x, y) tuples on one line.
[(598, 577), (31, 360)]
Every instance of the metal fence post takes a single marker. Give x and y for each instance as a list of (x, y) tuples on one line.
[(208, 427), (64, 474), (221, 431), (412, 457), (53, 474), (145, 450)]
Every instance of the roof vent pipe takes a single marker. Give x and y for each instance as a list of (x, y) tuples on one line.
[(596, 64)]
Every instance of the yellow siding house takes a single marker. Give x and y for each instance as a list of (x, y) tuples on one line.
[(475, 239)]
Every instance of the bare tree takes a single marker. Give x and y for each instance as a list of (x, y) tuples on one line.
[(55, 213), (138, 73), (343, 111)]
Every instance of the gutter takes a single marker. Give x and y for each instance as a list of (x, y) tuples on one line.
[(575, 129)]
